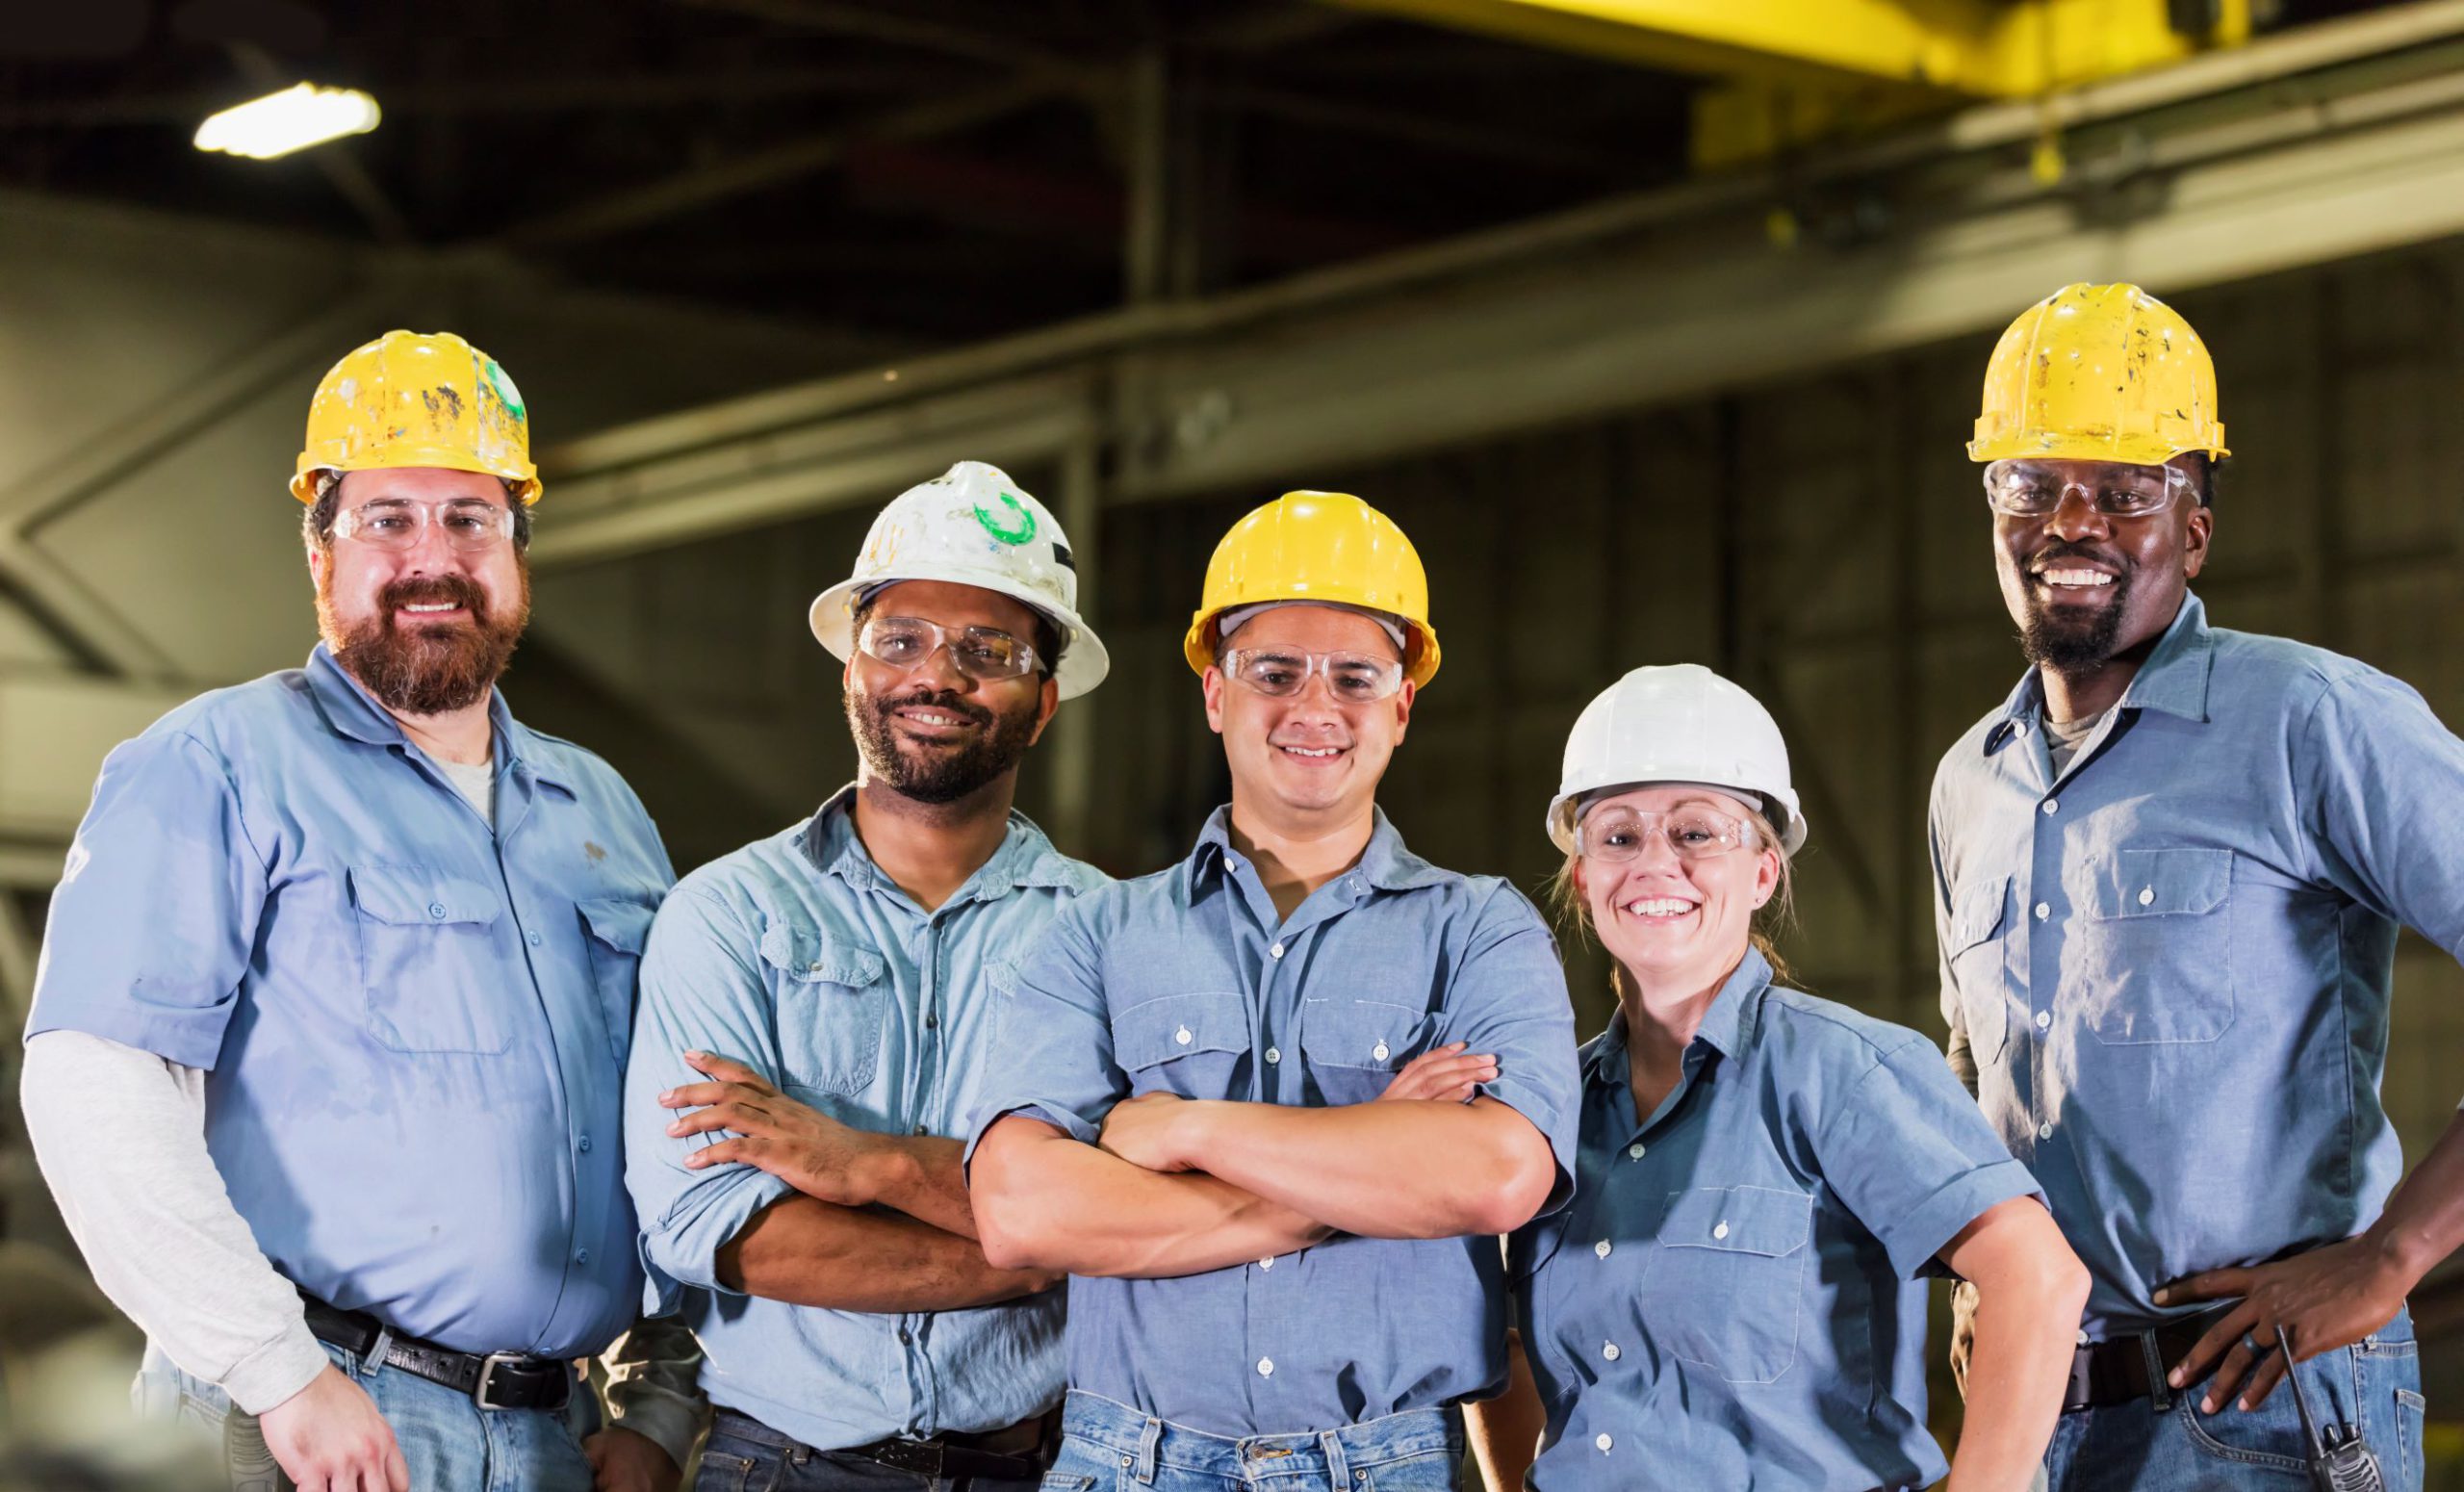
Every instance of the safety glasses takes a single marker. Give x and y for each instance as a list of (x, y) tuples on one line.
[(1615, 835), (2034, 489), (395, 523), (985, 654), (1279, 673)]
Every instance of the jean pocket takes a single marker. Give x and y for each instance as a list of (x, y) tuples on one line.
[(832, 997), (722, 1472), (1725, 1283), (1430, 1471), (2155, 954)]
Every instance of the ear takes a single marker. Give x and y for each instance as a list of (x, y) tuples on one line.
[(1403, 698), (1211, 682), (1766, 877), (317, 563), (1045, 707), (2200, 527)]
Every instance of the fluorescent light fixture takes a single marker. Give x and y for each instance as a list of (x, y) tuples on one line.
[(298, 116)]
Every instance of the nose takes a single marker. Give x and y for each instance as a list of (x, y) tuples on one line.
[(431, 551), (2075, 517), (942, 672), (1658, 855)]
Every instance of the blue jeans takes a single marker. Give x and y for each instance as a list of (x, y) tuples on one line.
[(2375, 1384), (450, 1443), (746, 1456), (1120, 1449)]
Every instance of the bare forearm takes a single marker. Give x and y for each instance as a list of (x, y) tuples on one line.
[(1504, 1432), (2030, 1291), (1365, 1168), (1044, 1199), (2424, 1218), (923, 1178), (809, 1252)]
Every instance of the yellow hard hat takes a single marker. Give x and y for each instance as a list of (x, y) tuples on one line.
[(2099, 373), (1318, 546), (412, 398)]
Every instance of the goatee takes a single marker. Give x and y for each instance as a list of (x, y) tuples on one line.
[(938, 776), (2072, 644), (428, 668)]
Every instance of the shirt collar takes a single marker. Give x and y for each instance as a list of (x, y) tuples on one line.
[(2173, 680), (1384, 862), (1026, 858), (350, 710), (1728, 1026)]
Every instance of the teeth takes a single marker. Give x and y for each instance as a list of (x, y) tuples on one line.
[(933, 717), (1658, 907), (434, 605), (1322, 750), (2077, 577)]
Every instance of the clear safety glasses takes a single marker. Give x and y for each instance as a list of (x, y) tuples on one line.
[(2035, 488), (395, 523), (1352, 678), (985, 654), (1618, 833)]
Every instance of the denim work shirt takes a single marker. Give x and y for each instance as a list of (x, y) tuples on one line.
[(2171, 964), (799, 958), (1733, 1298), (1187, 981), (414, 1023)]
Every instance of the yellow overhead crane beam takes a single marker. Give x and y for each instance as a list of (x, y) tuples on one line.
[(1807, 66)]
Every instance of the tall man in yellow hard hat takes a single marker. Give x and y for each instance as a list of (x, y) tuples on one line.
[(346, 956), (2168, 875), (1271, 1273)]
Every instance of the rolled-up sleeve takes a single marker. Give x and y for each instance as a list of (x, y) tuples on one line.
[(1056, 1037), (701, 989), (1508, 998), (157, 911), (1907, 1150)]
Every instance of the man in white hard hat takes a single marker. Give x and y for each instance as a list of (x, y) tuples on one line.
[(818, 1017)]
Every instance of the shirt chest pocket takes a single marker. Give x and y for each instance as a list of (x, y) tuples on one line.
[(2154, 961), (1356, 1048), (1182, 1044), (432, 970), (1725, 1285), (1979, 959), (615, 930), (830, 998)]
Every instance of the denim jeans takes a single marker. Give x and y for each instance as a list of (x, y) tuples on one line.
[(449, 1442), (2374, 1384), (746, 1456), (1113, 1446)]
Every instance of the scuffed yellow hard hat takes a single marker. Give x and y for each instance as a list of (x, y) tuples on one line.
[(2099, 373), (414, 399), (1318, 546)]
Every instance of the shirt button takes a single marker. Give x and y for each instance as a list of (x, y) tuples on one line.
[(921, 1130), (1602, 1442), (1266, 1367), (2052, 804), (1635, 1151), (813, 967), (1600, 1248), (582, 1257), (1609, 1350), (1274, 951), (536, 940), (904, 1335), (1183, 1037), (2147, 894), (585, 1147), (2083, 1336), (931, 1022), (1274, 1056), (436, 910), (1378, 1051), (2044, 1018), (1266, 1263), (1721, 1231), (2044, 1131), (2044, 912)]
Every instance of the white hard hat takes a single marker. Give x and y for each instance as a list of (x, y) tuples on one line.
[(1680, 723), (971, 525)]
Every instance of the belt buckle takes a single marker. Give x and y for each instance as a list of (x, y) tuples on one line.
[(922, 1456), (488, 1367)]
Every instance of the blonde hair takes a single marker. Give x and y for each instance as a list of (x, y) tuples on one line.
[(1772, 918)]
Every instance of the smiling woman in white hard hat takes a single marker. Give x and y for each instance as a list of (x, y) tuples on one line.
[(1736, 1296)]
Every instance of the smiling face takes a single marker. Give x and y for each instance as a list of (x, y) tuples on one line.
[(428, 629), (1308, 759), (932, 732), (2086, 587), (1676, 926)]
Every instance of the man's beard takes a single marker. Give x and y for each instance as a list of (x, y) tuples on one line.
[(942, 776), (426, 669), (2049, 638)]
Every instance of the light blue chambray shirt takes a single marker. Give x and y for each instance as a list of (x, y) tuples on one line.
[(2171, 964), (415, 1024), (1733, 1299), (1187, 981), (799, 958)]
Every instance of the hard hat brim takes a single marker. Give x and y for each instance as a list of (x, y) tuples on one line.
[(1084, 660), (1420, 656)]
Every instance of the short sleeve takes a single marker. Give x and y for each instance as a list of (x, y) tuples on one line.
[(155, 918), (2383, 786), (1910, 1154), (1509, 997), (1056, 1037)]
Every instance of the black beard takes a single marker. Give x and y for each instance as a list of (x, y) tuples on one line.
[(2072, 647), (424, 670), (944, 777)]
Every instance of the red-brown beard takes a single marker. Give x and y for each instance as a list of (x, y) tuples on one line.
[(428, 668)]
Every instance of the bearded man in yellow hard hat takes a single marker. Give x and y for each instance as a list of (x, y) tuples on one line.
[(1268, 1269), (347, 953), (2168, 875)]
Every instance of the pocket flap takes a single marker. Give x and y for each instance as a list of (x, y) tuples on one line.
[(2164, 883), (806, 955), (1360, 1033), (1757, 1220), (413, 896), (1977, 914), (1178, 1025), (620, 924)]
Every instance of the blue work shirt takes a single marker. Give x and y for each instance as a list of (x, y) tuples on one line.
[(415, 1022), (798, 957), (1187, 981), (1733, 1298), (2171, 964)]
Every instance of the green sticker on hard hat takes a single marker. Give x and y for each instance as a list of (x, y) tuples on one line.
[(1019, 532), (506, 393)]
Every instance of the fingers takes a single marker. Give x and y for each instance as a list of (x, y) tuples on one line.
[(741, 1117), (733, 1150), (2213, 1285), (727, 1069), (2219, 1339), (692, 1095), (2229, 1375), (2263, 1382)]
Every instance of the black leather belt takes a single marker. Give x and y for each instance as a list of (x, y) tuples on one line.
[(1019, 1453), (2133, 1366), (493, 1381)]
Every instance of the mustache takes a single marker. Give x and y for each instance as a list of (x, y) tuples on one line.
[(935, 699), (427, 590), (2053, 554)]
